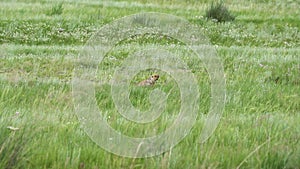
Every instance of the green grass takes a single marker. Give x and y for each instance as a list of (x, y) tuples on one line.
[(260, 51)]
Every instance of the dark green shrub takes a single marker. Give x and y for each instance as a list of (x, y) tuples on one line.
[(219, 12)]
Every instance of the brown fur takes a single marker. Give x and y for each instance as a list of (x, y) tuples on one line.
[(150, 81)]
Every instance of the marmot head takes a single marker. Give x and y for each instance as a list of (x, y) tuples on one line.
[(155, 77)]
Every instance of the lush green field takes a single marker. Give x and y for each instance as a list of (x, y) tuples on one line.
[(260, 51)]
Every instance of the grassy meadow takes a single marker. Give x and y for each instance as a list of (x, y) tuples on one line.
[(260, 52)]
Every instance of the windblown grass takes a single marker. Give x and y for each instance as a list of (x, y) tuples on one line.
[(260, 52)]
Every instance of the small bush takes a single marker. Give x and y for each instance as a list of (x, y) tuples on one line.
[(219, 12), (56, 9)]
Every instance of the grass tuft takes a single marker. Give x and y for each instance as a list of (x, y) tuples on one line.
[(56, 9), (219, 12)]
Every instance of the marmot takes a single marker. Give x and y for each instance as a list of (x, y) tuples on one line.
[(150, 81)]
